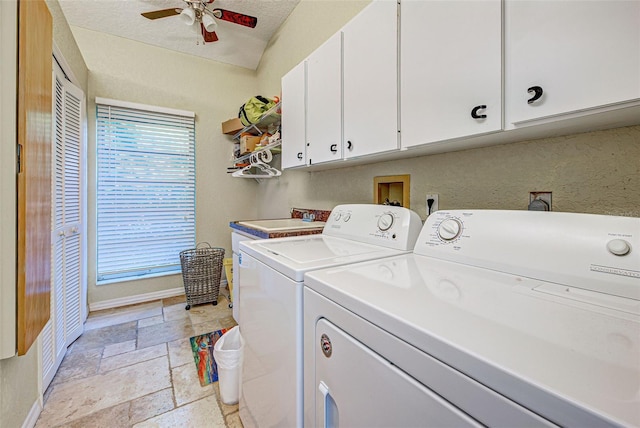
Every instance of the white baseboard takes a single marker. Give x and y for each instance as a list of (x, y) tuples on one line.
[(132, 300), (140, 298), (32, 417)]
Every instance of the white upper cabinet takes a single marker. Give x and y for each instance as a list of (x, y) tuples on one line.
[(568, 56), (293, 117), (324, 102), (451, 69), (370, 85)]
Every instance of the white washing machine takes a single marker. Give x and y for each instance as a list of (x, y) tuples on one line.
[(498, 318), (271, 276)]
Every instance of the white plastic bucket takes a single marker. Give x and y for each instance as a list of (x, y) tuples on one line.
[(228, 355)]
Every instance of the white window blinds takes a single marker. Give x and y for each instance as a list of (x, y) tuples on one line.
[(145, 189)]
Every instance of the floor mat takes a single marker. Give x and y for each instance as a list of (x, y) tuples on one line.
[(202, 347)]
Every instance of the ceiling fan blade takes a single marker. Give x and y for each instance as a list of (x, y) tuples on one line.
[(235, 17), (161, 13), (208, 36)]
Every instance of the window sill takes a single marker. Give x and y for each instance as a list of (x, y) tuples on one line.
[(138, 277)]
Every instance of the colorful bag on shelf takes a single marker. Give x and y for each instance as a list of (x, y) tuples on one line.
[(251, 111)]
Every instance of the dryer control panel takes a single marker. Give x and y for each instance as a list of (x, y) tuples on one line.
[(595, 252)]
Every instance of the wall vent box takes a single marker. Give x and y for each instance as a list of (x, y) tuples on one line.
[(232, 126), (392, 188)]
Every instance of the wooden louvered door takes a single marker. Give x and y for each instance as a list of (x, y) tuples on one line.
[(67, 283)]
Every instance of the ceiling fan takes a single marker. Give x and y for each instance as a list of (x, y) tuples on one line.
[(197, 15)]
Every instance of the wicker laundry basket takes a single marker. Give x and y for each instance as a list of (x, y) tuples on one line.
[(201, 271)]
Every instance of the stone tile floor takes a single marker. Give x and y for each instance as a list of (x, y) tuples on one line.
[(133, 367)]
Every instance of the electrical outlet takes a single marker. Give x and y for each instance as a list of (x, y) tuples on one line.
[(539, 201), (434, 206)]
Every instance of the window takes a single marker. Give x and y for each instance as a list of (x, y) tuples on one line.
[(145, 189)]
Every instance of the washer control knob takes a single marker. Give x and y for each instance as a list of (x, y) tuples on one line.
[(618, 247), (449, 229), (385, 221), (337, 215), (347, 217)]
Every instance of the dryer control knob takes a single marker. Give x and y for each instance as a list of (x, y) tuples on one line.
[(449, 229), (385, 221), (337, 215), (619, 247)]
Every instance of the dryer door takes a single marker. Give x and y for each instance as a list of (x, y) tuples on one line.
[(355, 387)]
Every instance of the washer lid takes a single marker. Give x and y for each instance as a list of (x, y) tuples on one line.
[(293, 256), (573, 361), (282, 224)]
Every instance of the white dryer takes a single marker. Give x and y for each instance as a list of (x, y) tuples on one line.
[(498, 318), (271, 274)]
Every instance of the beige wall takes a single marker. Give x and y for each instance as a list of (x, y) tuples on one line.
[(19, 376), (597, 172), (125, 70), (310, 24)]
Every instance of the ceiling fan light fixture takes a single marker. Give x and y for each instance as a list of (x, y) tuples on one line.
[(188, 16), (209, 23)]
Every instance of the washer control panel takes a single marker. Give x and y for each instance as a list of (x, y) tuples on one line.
[(596, 252), (389, 226)]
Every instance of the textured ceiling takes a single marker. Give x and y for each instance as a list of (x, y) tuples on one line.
[(237, 45)]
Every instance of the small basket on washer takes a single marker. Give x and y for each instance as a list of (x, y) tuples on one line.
[(201, 271)]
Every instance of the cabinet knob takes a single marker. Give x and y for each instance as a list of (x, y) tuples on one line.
[(474, 112), (300, 155), (333, 148), (349, 145), (538, 93)]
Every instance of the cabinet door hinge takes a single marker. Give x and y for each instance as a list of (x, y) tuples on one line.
[(19, 158)]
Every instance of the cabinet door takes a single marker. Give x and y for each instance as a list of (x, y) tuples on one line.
[(451, 74), (582, 54), (324, 102), (294, 117), (34, 174), (370, 85)]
